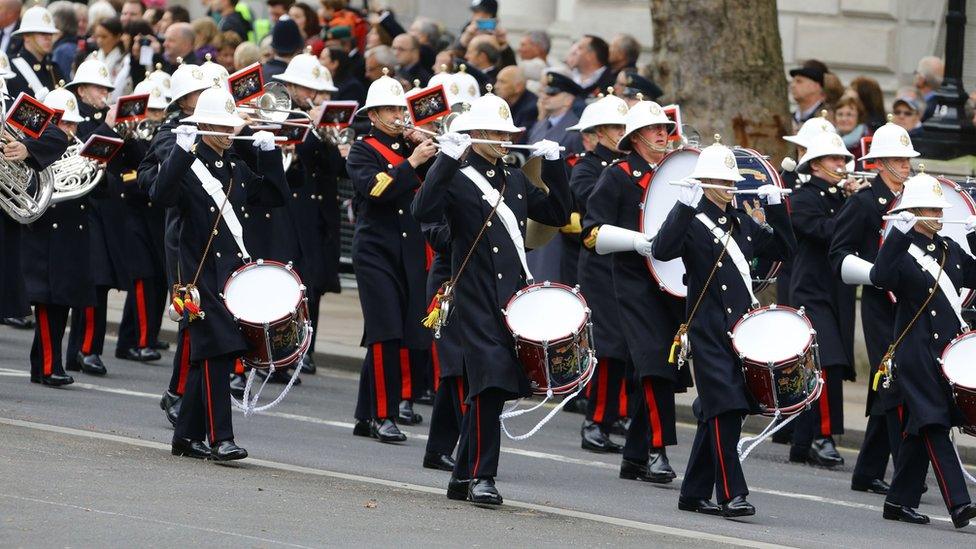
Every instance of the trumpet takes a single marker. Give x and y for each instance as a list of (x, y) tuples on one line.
[(16, 197)]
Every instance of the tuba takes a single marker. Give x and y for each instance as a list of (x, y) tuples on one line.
[(23, 196), (72, 175)]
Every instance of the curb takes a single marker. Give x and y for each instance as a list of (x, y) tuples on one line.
[(342, 358)]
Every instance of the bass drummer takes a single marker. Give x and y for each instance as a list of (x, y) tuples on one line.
[(649, 317), (206, 182), (828, 302), (713, 239), (468, 195), (924, 271)]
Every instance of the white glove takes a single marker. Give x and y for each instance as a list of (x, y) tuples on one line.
[(264, 140), (971, 223), (904, 221), (642, 245), (691, 194), (454, 144), (771, 194), (547, 149), (186, 135)]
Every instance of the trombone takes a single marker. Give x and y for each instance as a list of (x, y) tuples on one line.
[(274, 106), (408, 125)]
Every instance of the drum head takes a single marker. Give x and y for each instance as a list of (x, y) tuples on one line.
[(545, 313), (771, 336), (959, 361), (259, 293), (659, 199), (963, 206), (757, 172)]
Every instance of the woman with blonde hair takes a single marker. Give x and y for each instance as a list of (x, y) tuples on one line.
[(206, 31), (247, 53)]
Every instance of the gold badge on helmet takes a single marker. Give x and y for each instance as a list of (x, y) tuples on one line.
[(472, 91), (70, 103), (730, 161), (229, 106), (197, 74), (937, 189), (454, 89), (504, 112), (835, 141), (155, 92), (316, 72), (655, 108), (46, 18), (622, 108), (3, 62), (103, 71), (904, 139), (395, 89)]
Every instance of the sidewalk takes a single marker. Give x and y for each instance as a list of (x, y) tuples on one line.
[(341, 326)]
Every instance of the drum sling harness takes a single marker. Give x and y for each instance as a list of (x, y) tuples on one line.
[(886, 368), (440, 306), (25, 70)]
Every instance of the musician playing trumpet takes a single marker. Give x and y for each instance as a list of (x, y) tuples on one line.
[(716, 242), (207, 183)]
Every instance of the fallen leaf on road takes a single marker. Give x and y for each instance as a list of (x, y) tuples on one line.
[(371, 504)]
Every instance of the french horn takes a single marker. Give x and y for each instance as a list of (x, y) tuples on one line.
[(23, 196), (71, 176)]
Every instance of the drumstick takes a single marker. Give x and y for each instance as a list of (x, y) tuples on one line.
[(924, 218), (730, 190)]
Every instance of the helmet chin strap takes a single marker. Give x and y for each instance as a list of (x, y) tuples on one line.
[(649, 145), (835, 177), (894, 174), (601, 134), (491, 146)]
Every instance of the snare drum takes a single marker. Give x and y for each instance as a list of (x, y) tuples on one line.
[(551, 326), (268, 302), (777, 346), (959, 368), (756, 172)]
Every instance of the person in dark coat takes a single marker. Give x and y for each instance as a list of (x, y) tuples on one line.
[(146, 301), (286, 42), (649, 317), (312, 226), (924, 271), (855, 242), (107, 215), (211, 244), (496, 270), (54, 252), (389, 258), (701, 232), (446, 355), (826, 300), (186, 85), (605, 119)]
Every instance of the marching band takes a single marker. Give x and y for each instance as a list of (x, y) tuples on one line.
[(218, 209)]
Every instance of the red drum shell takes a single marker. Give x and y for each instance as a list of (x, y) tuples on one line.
[(954, 357)]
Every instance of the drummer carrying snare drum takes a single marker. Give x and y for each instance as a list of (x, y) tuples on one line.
[(716, 243), (205, 182), (463, 187), (924, 271)]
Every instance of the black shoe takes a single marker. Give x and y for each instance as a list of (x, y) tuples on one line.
[(595, 440), (385, 430), (407, 416), (824, 453), (482, 491), (25, 323), (658, 466), (633, 470), (433, 460), (962, 514), (903, 514), (140, 354), (308, 365), (362, 428), (226, 450), (237, 384), (620, 427), (170, 403), (426, 398), (196, 449), (875, 485), (457, 489), (703, 506), (54, 380), (738, 507), (160, 345), (91, 364)]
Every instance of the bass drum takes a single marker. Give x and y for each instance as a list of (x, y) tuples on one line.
[(963, 206), (757, 171), (659, 199)]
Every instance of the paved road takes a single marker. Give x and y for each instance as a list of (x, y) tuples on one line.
[(89, 465)]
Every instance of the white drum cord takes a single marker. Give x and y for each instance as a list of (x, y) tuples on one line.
[(249, 404), (955, 448), (513, 410), (774, 426)]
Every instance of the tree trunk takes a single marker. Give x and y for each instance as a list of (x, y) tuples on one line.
[(722, 62)]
